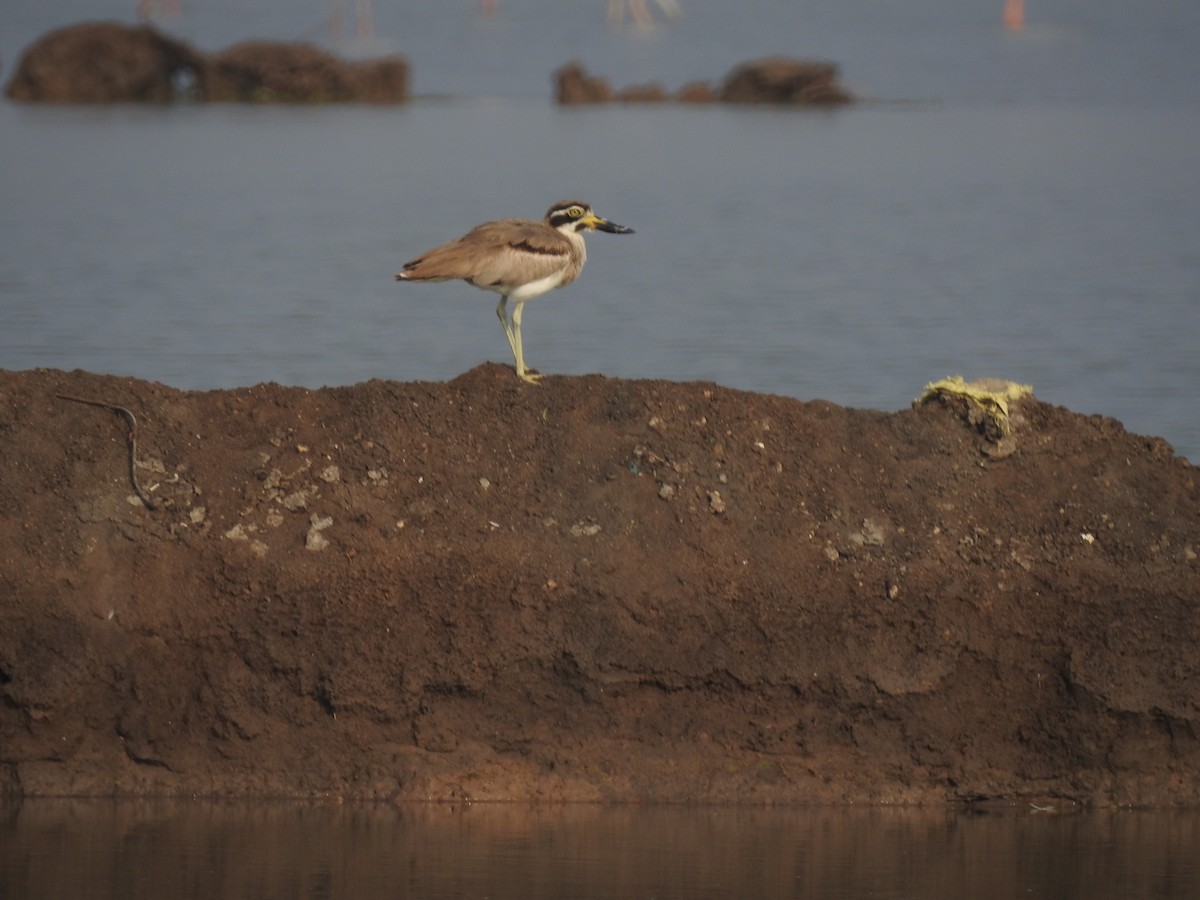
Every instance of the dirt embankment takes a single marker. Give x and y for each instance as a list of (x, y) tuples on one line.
[(589, 589)]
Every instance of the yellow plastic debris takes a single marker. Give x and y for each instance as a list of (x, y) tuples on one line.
[(992, 395)]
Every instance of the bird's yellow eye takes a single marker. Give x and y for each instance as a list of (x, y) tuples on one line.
[(575, 212)]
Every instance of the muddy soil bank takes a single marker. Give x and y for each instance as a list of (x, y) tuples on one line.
[(589, 589)]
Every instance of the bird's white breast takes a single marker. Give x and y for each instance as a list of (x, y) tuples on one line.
[(535, 288)]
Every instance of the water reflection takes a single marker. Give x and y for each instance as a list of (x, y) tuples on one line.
[(91, 849)]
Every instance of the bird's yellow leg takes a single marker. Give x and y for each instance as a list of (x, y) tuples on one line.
[(502, 314), (515, 337)]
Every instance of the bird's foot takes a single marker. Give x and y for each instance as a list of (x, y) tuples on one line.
[(529, 375)]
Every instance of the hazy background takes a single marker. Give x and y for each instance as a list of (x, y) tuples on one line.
[(1022, 205)]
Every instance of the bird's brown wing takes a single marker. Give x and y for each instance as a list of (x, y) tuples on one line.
[(505, 251)]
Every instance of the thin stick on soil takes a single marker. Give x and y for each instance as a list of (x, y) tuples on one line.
[(130, 440)]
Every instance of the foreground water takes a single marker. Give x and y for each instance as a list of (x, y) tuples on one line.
[(94, 850)]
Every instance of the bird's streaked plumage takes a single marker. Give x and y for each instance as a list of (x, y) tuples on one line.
[(517, 258)]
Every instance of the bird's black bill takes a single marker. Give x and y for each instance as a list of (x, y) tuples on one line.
[(614, 228)]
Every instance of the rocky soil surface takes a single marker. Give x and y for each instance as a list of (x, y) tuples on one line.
[(589, 589)]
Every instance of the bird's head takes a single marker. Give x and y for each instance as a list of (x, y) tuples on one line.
[(576, 216)]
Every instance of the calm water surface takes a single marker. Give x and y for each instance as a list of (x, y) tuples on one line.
[(1018, 205), (101, 850)]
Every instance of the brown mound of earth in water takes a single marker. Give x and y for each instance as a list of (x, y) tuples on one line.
[(589, 589), (107, 62), (775, 80)]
